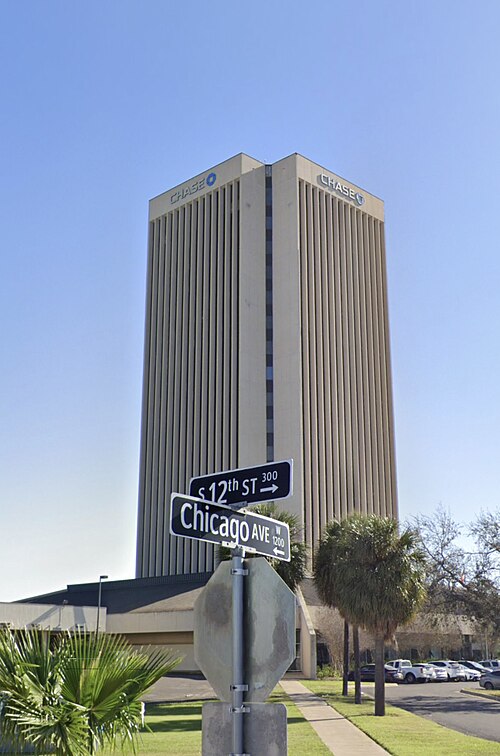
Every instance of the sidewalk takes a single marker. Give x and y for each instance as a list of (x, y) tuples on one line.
[(337, 733)]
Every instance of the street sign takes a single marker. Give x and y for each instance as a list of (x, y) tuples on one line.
[(247, 485), (269, 630), (191, 517)]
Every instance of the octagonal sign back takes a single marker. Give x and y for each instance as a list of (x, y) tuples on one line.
[(268, 630)]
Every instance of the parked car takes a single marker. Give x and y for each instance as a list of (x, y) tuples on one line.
[(367, 674), (440, 673), (473, 665), (490, 663), (490, 680), (412, 671), (453, 669), (470, 674)]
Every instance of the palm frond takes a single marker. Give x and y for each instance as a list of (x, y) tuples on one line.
[(373, 575), (76, 694)]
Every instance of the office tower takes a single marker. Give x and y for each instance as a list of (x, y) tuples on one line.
[(266, 339)]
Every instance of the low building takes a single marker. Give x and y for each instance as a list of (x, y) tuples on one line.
[(428, 636), (159, 612), (156, 612), (53, 616)]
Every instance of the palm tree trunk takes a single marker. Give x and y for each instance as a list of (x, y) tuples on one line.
[(346, 659), (379, 676), (357, 678)]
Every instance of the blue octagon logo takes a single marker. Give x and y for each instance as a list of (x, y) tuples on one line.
[(211, 179)]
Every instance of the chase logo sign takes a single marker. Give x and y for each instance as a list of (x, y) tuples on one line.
[(193, 188), (334, 185)]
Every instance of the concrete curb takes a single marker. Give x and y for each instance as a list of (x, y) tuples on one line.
[(480, 695)]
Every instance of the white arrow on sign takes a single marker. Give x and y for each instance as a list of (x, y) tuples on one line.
[(272, 488)]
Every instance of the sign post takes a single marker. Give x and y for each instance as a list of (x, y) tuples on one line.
[(269, 649), (212, 512), (238, 687)]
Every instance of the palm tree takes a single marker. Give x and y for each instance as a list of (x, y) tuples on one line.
[(375, 578), (294, 571), (74, 694)]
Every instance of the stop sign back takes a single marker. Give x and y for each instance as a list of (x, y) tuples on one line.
[(269, 630)]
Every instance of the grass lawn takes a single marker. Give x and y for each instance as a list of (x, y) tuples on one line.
[(399, 732), (302, 739), (176, 730)]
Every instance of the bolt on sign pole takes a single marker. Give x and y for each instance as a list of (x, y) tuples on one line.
[(238, 686)]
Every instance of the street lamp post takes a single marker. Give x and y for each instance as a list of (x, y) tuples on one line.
[(101, 578)]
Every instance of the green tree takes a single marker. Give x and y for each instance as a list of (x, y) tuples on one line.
[(291, 572), (76, 693), (463, 577), (375, 578)]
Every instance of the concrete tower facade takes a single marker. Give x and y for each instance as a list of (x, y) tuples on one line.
[(266, 338)]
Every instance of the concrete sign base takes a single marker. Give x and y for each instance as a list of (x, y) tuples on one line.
[(264, 729)]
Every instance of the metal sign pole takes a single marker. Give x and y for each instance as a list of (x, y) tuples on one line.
[(238, 687)]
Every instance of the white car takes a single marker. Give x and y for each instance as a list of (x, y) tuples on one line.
[(441, 675), (471, 674), (454, 670), (473, 665), (412, 672)]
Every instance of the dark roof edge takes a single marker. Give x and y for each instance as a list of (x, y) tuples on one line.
[(110, 585)]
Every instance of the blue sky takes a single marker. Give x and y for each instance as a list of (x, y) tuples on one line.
[(107, 104)]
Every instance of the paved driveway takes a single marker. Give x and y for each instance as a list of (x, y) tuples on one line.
[(445, 704), (179, 688)]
